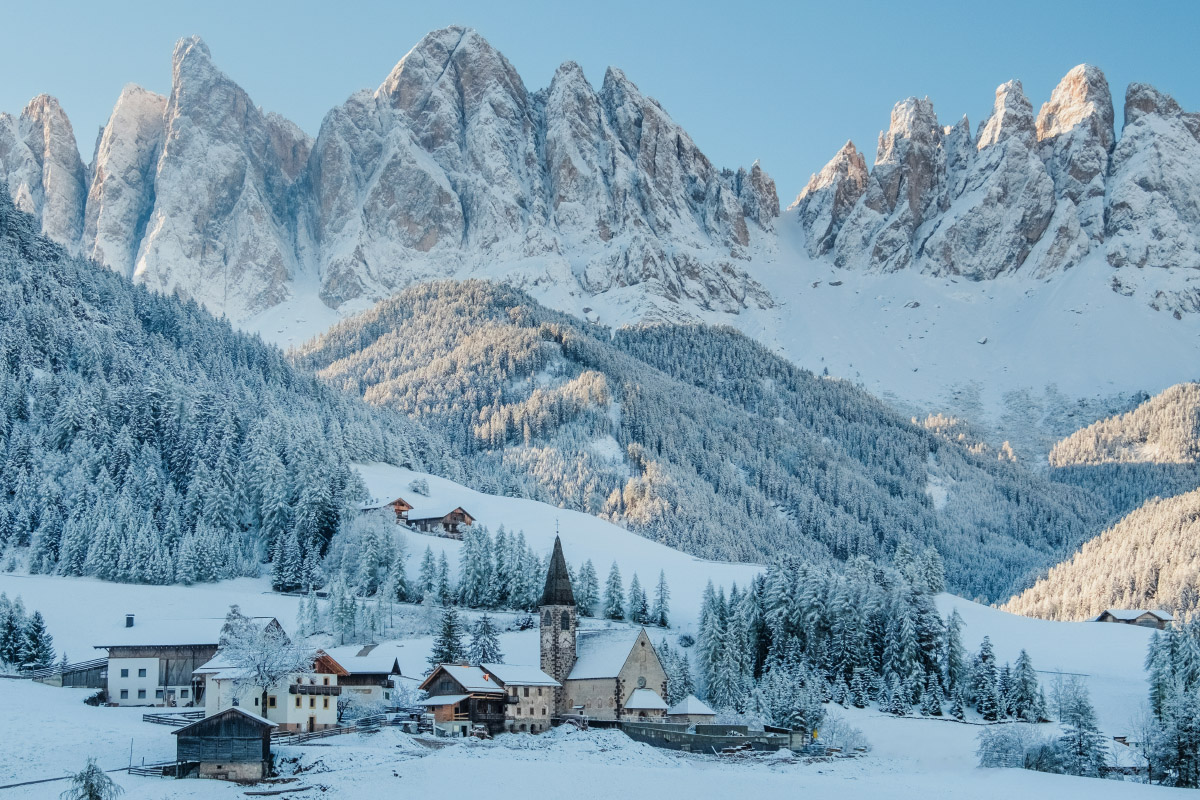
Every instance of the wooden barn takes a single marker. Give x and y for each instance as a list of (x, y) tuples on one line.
[(1142, 617), (447, 521), (234, 745), (398, 506)]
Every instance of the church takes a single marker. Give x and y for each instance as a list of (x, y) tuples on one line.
[(611, 674)]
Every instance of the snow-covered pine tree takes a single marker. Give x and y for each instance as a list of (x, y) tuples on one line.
[(443, 590), (1025, 690), (448, 646), (38, 648), (954, 667), (427, 578), (484, 647), (660, 614), (587, 598), (1081, 747), (614, 594), (638, 607)]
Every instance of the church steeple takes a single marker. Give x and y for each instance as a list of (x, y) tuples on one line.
[(558, 580), (558, 622)]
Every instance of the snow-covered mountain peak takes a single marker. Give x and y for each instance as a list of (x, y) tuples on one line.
[(823, 204), (1082, 97), (912, 119), (1012, 116)]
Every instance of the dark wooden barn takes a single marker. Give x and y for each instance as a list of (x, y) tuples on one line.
[(234, 745)]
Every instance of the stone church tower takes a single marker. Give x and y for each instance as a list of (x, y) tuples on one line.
[(558, 619)]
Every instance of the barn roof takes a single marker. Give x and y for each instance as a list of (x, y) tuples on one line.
[(164, 633), (1134, 613), (520, 675), (691, 705), (377, 503), (255, 718), (436, 511), (601, 654), (645, 700), (558, 580), (472, 679)]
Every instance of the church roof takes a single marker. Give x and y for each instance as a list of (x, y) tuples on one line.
[(558, 580), (645, 700), (601, 654)]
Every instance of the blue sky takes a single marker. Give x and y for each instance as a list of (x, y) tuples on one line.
[(786, 83)]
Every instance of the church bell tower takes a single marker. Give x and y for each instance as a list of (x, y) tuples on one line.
[(557, 623)]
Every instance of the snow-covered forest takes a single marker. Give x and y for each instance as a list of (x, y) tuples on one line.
[(1147, 560), (144, 440), (696, 437)]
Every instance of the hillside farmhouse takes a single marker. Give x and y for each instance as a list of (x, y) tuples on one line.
[(502, 697), (372, 672), (397, 506), (152, 663), (443, 520), (303, 702), (1144, 618)]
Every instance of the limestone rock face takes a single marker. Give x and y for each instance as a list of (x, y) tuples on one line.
[(39, 159), (1075, 136), (829, 197), (122, 191), (1153, 197)]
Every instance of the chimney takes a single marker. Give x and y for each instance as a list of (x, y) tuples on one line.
[(129, 620)]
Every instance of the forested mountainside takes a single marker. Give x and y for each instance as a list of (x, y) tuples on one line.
[(1151, 451), (694, 436), (1149, 559), (141, 439)]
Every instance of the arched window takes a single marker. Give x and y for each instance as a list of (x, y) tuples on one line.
[(566, 621), (546, 620)]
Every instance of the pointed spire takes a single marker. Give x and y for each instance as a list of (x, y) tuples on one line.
[(558, 580)]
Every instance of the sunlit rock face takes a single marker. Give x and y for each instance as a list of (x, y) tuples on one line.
[(1030, 195), (39, 160)]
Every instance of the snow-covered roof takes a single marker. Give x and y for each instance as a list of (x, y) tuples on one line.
[(601, 654), (520, 675), (443, 700), (230, 710), (473, 679), (371, 659), (1134, 613), (163, 633), (377, 503), (435, 511), (691, 705), (645, 700)]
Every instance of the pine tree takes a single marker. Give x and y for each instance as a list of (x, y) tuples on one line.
[(931, 698), (958, 705), (953, 655), (38, 648), (660, 615), (427, 578), (587, 598), (639, 611), (485, 643), (1025, 690), (614, 590), (1081, 748), (91, 783), (448, 645), (443, 590), (858, 690)]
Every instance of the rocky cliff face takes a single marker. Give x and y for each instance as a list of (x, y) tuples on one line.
[(450, 166), (1030, 194)]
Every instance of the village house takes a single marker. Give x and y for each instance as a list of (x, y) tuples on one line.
[(1145, 618), (234, 745), (501, 697), (397, 506), (609, 675), (443, 520), (372, 673), (152, 663), (302, 702)]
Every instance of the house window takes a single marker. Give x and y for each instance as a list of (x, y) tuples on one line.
[(141, 673), (527, 691), (256, 701), (183, 692), (326, 680), (141, 694), (158, 692), (326, 702), (124, 694), (543, 711), (539, 691), (297, 701), (124, 673), (271, 701), (312, 702)]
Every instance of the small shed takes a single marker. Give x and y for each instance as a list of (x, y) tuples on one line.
[(234, 745), (691, 710), (1142, 617)]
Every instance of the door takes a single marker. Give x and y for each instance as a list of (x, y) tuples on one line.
[(312, 723)]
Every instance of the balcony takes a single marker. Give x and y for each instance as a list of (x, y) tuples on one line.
[(305, 688)]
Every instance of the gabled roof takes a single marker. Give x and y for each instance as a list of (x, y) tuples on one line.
[(221, 668), (519, 675), (164, 633), (558, 580), (602, 654), (1134, 613), (645, 700), (371, 659), (471, 679), (436, 511), (377, 503), (443, 700), (691, 705), (266, 723)]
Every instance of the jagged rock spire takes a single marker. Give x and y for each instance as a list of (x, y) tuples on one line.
[(558, 580)]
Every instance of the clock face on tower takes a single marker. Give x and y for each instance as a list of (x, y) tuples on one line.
[(641, 681)]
